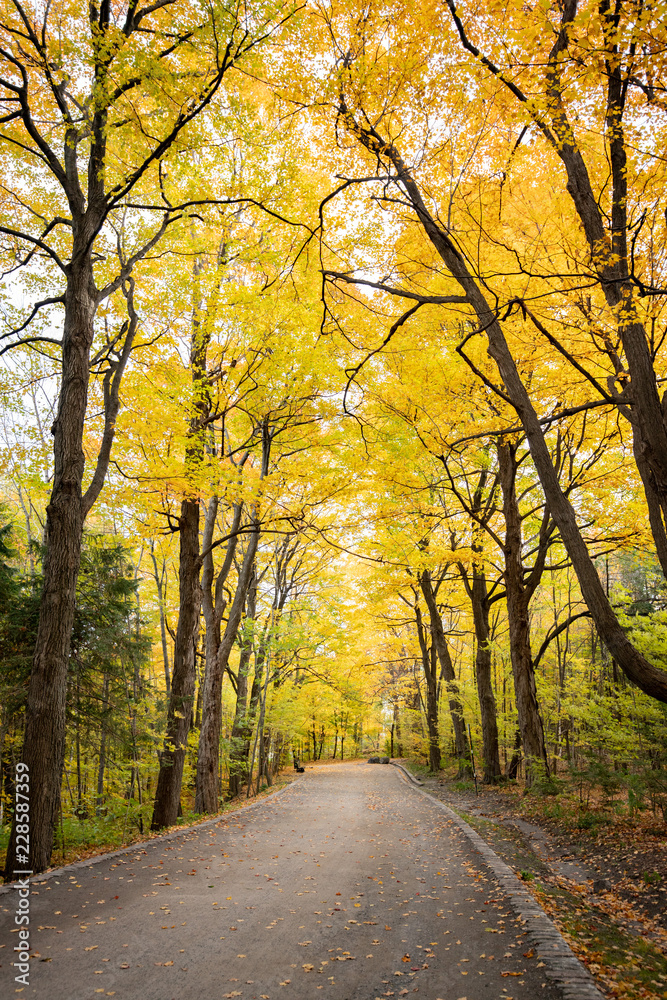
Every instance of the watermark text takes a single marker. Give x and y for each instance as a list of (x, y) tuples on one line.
[(22, 873)]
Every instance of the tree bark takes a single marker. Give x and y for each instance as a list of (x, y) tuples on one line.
[(239, 750), (434, 760), (179, 715), (448, 674), (184, 672), (207, 796), (517, 601), (487, 699), (44, 741), (208, 779)]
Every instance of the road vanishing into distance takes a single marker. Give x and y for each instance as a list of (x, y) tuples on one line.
[(348, 885)]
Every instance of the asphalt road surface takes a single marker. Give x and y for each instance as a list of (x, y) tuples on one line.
[(349, 885)]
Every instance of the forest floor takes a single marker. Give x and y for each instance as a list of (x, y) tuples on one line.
[(598, 872)]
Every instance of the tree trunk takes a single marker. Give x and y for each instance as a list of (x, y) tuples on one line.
[(179, 716), (652, 680), (210, 691), (513, 769), (518, 599), (44, 741), (487, 700), (208, 779), (159, 577), (448, 674), (239, 749), (431, 696), (207, 796), (397, 723)]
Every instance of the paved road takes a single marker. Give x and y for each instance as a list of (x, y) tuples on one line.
[(350, 885)]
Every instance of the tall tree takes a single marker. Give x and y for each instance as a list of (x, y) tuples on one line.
[(447, 672), (179, 712), (207, 794), (78, 87), (372, 122)]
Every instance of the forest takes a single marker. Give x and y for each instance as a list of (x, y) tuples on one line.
[(334, 416)]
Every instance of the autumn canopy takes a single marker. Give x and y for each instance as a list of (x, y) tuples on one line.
[(333, 397)]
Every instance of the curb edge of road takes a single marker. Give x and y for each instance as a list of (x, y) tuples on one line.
[(99, 859), (562, 966), (408, 774)]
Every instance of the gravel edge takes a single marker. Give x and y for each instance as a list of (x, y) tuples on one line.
[(562, 966), (140, 844)]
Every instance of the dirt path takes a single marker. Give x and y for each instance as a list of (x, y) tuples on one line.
[(349, 885)]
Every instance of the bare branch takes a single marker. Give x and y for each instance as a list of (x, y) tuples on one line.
[(56, 299), (415, 296)]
